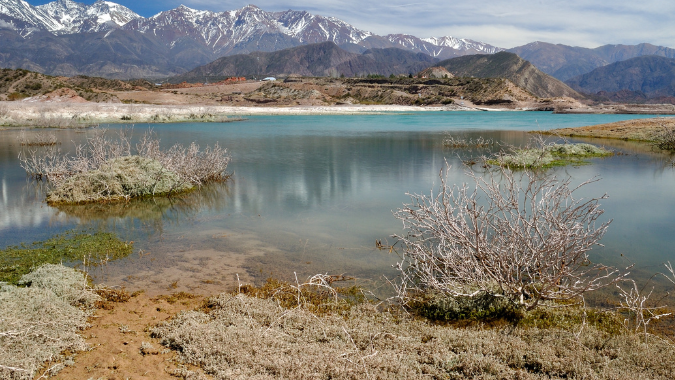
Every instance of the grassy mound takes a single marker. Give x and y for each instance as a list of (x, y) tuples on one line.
[(17, 261), (240, 336), (550, 155), (39, 322), (120, 178)]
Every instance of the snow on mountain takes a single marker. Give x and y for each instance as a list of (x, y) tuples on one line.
[(67, 16), (442, 47), (27, 15), (241, 30), (223, 31), (80, 18), (310, 28)]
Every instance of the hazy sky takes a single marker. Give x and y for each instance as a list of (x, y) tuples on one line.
[(504, 23)]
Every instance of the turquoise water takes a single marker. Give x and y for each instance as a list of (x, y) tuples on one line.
[(312, 194)]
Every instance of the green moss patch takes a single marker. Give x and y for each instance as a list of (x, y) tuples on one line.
[(550, 156), (68, 247)]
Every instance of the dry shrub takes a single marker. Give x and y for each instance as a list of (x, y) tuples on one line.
[(521, 237), (119, 179), (38, 323), (241, 337), (458, 142), (108, 169), (37, 139), (665, 139)]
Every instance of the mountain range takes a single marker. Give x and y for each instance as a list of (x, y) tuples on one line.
[(646, 79), (321, 59), (327, 59), (566, 62), (123, 44), (107, 39)]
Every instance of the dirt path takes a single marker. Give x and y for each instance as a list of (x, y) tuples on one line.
[(116, 337)]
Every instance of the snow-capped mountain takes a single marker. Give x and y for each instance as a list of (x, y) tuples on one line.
[(65, 37), (80, 18), (65, 16), (228, 32), (223, 31), (441, 47)]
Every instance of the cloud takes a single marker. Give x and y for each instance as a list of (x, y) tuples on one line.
[(505, 23), (6, 25)]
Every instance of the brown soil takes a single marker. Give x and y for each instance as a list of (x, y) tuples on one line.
[(116, 335), (638, 129)]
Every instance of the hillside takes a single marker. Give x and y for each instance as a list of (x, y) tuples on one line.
[(508, 65), (637, 80), (21, 84), (565, 62), (322, 59)]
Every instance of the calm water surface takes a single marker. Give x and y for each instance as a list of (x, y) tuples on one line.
[(311, 194)]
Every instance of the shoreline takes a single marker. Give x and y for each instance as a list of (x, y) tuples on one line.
[(65, 115), (642, 130)]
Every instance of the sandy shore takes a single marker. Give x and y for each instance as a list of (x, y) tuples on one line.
[(638, 129), (42, 114)]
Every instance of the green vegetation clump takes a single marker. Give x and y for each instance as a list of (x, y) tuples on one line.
[(120, 178), (40, 322), (69, 247), (550, 155)]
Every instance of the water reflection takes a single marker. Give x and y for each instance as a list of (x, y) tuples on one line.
[(151, 213), (312, 194)]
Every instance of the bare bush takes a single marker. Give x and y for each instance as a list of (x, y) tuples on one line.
[(102, 168), (665, 139), (37, 139), (635, 301), (457, 142), (523, 238)]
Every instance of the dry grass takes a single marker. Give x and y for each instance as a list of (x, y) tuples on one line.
[(39, 323), (241, 337)]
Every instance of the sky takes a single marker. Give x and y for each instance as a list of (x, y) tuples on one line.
[(503, 23)]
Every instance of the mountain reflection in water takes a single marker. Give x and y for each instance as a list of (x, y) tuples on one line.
[(313, 194)]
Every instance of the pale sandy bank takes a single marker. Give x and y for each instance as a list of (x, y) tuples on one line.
[(44, 114)]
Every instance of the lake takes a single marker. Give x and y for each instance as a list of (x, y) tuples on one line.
[(312, 194)]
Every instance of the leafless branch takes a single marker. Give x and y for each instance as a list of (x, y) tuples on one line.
[(524, 238)]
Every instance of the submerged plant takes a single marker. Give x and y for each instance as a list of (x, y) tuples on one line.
[(68, 247)]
